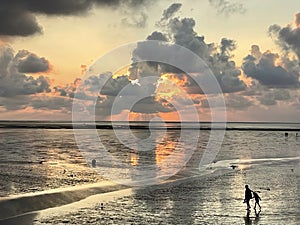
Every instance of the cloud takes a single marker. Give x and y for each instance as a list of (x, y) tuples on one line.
[(12, 82), (150, 105), (227, 8), (51, 103), (6, 56), (237, 102), (28, 62), (263, 67), (41, 102), (288, 37), (136, 20), (17, 17), (16, 103), (17, 22), (169, 13), (232, 101), (136, 12), (121, 89), (271, 97), (218, 57), (297, 19), (113, 86)]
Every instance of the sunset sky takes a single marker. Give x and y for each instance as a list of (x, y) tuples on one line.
[(252, 47)]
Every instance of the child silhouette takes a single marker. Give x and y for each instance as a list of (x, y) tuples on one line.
[(257, 199)]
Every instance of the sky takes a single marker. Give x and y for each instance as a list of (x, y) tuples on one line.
[(47, 50)]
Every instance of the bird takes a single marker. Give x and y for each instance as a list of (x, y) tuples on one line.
[(233, 166)]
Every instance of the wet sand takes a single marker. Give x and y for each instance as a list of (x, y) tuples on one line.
[(213, 199), (37, 160), (29, 166)]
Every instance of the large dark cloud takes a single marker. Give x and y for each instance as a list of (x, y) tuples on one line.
[(13, 82), (263, 67), (17, 17), (17, 22)]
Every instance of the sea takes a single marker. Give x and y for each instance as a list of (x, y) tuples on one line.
[(182, 173)]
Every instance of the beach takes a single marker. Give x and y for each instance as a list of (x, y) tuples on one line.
[(214, 199), (264, 160)]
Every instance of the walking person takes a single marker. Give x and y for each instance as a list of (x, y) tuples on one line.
[(257, 199), (248, 196)]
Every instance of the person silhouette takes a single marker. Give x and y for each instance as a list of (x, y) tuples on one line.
[(248, 196), (94, 163), (257, 199)]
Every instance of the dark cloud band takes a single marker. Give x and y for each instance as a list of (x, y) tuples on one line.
[(17, 17)]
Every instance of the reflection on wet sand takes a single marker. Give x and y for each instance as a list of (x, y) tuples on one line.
[(252, 220)]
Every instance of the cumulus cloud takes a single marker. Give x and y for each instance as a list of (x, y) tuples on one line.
[(13, 82), (144, 78), (157, 36), (109, 89), (17, 17), (217, 56), (264, 68), (28, 62), (288, 37), (227, 8)]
